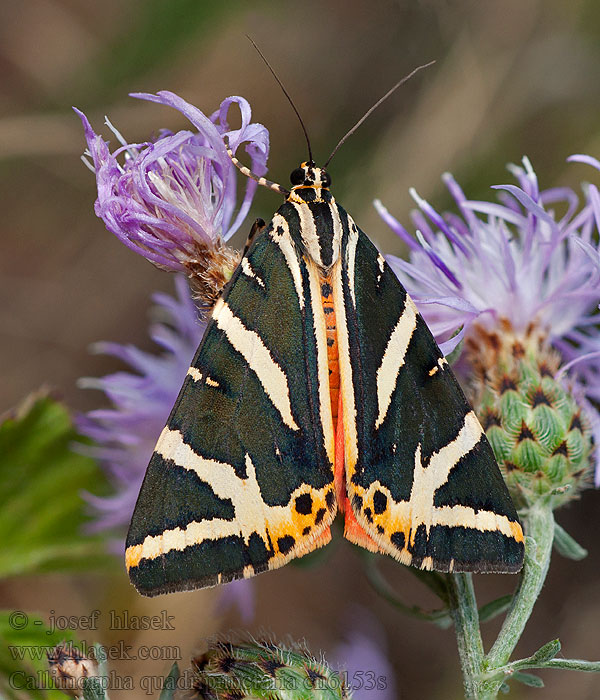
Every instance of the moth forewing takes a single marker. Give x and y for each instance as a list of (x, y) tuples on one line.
[(241, 480), (421, 476)]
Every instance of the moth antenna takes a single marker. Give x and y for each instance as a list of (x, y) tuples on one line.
[(285, 92), (374, 107), (257, 178)]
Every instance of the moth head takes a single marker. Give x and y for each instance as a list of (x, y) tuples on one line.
[(308, 175)]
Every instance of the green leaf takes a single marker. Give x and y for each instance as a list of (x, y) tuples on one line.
[(547, 652), (494, 608), (574, 665), (93, 690), (41, 482), (24, 670), (528, 679), (505, 689), (566, 545), (170, 685)]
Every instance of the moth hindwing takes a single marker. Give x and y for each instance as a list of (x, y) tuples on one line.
[(317, 387)]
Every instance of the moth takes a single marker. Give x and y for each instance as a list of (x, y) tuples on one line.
[(317, 389)]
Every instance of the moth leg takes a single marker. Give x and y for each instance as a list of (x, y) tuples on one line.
[(257, 227)]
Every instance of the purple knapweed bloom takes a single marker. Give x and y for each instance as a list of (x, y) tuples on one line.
[(363, 656), (125, 434), (516, 260), (172, 198), (529, 261)]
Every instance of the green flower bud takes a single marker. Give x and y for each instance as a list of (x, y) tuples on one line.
[(539, 434), (264, 670)]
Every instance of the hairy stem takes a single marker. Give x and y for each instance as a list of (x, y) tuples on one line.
[(538, 548), (463, 608), (539, 526)]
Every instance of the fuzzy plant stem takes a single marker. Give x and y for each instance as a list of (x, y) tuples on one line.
[(539, 525), (479, 680), (463, 608)]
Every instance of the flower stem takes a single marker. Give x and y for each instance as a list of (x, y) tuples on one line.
[(441, 618), (463, 608), (538, 548), (478, 669)]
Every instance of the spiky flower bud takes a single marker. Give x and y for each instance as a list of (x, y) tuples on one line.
[(540, 436), (69, 667), (264, 670)]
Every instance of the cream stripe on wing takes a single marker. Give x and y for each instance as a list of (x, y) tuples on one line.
[(222, 478), (427, 480), (402, 516), (180, 538), (351, 256), (250, 345), (251, 513), (338, 232), (444, 460), (308, 231), (393, 358), (285, 243), (482, 520), (249, 272)]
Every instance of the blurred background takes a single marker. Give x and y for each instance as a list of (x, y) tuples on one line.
[(512, 78)]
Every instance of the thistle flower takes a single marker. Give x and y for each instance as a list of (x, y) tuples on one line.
[(174, 200), (518, 282)]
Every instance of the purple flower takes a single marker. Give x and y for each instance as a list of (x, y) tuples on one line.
[(515, 260), (363, 656), (173, 198), (238, 595), (529, 261), (126, 433)]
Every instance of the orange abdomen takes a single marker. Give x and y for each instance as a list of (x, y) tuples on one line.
[(352, 530), (332, 346)]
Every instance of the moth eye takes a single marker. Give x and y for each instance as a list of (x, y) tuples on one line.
[(297, 176), (325, 178)]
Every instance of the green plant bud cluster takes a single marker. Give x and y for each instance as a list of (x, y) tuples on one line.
[(539, 434), (265, 670)]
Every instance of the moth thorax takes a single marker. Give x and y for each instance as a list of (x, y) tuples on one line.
[(309, 175)]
